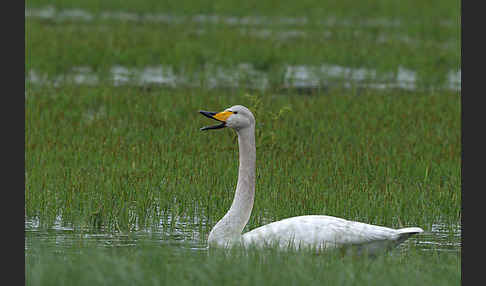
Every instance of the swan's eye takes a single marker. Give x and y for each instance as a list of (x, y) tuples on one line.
[(235, 112)]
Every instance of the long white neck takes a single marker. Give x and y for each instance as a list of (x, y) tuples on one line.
[(231, 225)]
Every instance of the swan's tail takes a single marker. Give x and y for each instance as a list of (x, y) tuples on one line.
[(405, 233)]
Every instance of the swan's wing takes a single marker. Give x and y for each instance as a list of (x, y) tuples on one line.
[(322, 231)]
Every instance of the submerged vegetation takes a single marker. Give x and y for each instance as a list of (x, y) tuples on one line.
[(168, 266)]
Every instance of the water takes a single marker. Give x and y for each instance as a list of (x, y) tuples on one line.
[(51, 13), (441, 237), (247, 76), (185, 234), (65, 238)]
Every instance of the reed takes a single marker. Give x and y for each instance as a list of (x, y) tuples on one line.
[(119, 157)]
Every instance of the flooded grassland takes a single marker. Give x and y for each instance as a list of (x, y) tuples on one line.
[(358, 116)]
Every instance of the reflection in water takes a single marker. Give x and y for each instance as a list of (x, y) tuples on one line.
[(66, 238), (184, 233), (441, 236)]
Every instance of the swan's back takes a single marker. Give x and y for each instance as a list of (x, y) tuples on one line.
[(326, 232)]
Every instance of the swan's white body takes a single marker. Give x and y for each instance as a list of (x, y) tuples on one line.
[(317, 231)]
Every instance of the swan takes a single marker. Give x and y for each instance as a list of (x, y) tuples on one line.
[(317, 231)]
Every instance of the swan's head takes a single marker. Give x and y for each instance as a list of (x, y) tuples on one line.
[(236, 117)]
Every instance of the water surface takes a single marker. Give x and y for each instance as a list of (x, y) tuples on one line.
[(245, 75), (184, 234)]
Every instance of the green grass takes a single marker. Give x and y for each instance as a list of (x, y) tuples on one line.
[(126, 159), (168, 266), (420, 42), (120, 156)]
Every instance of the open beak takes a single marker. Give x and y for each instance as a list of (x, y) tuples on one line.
[(221, 117)]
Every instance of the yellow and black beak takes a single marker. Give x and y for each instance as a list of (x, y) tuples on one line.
[(220, 116)]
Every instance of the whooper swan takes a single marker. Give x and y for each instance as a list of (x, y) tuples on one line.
[(316, 231)]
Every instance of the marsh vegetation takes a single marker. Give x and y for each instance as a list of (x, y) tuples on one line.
[(358, 116)]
